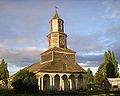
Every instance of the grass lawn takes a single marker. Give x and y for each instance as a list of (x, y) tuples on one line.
[(12, 92)]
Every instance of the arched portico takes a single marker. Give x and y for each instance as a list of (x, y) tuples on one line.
[(61, 82)]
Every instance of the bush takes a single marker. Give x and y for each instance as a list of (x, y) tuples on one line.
[(25, 81)]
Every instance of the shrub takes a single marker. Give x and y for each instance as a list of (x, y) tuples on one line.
[(25, 81)]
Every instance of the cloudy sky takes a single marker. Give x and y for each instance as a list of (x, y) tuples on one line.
[(92, 26)]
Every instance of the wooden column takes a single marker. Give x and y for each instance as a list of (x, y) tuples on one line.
[(61, 84), (70, 82), (41, 83), (76, 83)]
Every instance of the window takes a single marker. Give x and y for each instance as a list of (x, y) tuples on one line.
[(64, 66)]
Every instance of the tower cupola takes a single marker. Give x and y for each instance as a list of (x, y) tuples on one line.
[(56, 23)]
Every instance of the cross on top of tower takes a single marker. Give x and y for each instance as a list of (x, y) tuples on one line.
[(56, 8), (56, 16)]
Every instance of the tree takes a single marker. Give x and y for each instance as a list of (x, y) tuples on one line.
[(89, 76), (99, 75), (109, 69), (25, 81), (111, 65), (4, 73), (115, 62)]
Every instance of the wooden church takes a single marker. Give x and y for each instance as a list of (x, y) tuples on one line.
[(58, 69)]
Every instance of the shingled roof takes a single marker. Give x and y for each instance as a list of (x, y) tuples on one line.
[(54, 66), (59, 49)]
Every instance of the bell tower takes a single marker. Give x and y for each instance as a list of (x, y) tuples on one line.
[(57, 37)]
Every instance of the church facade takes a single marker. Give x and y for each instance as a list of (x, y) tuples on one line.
[(58, 70)]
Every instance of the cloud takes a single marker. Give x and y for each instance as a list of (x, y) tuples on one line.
[(112, 8), (19, 19), (22, 57), (113, 35), (90, 48), (88, 42), (17, 41), (13, 69), (90, 60), (89, 57)]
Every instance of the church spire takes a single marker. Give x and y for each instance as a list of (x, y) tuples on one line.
[(56, 16)]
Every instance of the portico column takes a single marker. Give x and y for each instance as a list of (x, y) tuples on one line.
[(70, 82), (76, 83), (51, 83), (85, 82), (61, 84), (41, 83)]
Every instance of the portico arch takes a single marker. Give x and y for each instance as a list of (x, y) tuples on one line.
[(46, 82), (80, 81), (65, 79), (72, 82), (57, 82)]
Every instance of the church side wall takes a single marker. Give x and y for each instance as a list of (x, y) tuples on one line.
[(66, 57), (46, 57)]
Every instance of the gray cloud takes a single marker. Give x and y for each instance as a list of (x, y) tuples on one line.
[(17, 41), (90, 42), (90, 60), (113, 34), (90, 48), (21, 57)]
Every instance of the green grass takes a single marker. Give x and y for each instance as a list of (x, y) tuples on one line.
[(12, 92)]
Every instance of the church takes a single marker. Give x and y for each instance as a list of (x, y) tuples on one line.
[(58, 69)]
